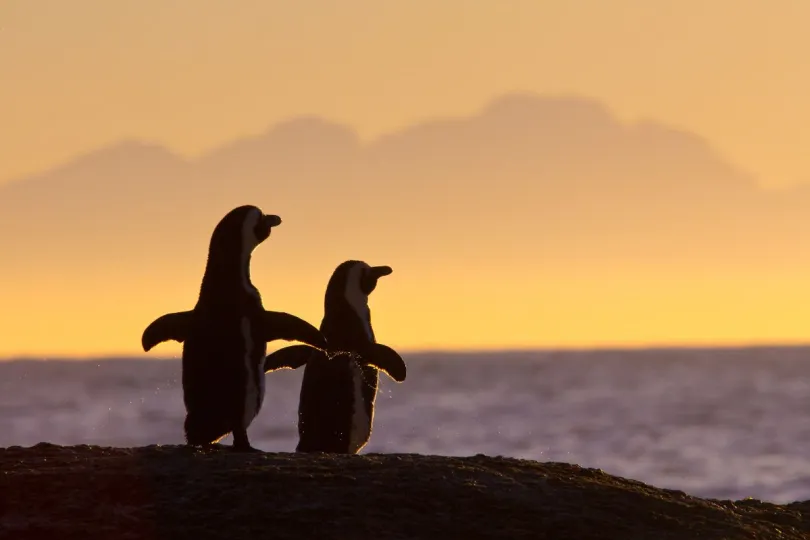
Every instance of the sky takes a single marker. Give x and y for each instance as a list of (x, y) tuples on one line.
[(194, 73), (194, 76)]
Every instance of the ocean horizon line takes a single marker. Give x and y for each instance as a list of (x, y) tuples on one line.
[(444, 351)]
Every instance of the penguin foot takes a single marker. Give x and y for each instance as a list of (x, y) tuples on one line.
[(241, 442)]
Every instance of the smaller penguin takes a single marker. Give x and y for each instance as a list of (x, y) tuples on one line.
[(225, 336), (336, 405)]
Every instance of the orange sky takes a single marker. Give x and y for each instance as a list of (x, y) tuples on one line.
[(194, 74), (578, 312)]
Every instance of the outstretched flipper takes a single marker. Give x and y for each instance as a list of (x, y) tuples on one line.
[(385, 359), (169, 327), (280, 325), (292, 357)]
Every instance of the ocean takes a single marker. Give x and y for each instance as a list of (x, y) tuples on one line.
[(716, 423)]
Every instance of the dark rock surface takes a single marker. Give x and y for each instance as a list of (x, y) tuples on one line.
[(172, 493)]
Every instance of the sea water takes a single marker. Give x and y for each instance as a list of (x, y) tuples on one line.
[(713, 423)]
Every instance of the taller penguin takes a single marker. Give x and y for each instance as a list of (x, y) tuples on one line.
[(225, 336), (336, 407)]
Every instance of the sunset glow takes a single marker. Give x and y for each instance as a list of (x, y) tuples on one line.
[(537, 173)]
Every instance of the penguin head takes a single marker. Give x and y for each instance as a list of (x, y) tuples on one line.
[(365, 277), (232, 244), (354, 281), (242, 229), (359, 278)]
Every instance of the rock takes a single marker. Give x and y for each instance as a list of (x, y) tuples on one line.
[(174, 492)]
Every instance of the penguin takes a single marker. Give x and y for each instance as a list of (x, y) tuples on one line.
[(225, 336), (336, 403)]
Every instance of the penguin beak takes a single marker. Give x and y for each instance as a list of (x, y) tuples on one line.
[(265, 225), (369, 281), (380, 271)]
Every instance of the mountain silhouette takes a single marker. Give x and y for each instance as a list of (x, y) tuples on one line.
[(552, 173), (549, 180)]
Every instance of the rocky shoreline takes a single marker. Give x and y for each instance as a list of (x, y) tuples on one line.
[(173, 492)]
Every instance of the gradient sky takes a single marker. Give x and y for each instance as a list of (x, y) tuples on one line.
[(194, 74)]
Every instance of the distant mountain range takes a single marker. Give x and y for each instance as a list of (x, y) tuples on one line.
[(556, 176), (530, 180)]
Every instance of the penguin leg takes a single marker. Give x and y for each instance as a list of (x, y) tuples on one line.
[(241, 442), (204, 430)]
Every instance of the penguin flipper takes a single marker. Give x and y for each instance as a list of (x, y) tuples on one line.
[(385, 359), (292, 357), (280, 325), (169, 327)]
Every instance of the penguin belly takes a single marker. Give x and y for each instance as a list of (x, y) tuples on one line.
[(360, 426), (252, 363), (222, 389), (325, 408), (209, 397)]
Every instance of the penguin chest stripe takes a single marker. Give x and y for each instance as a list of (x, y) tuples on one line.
[(361, 422), (254, 382)]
